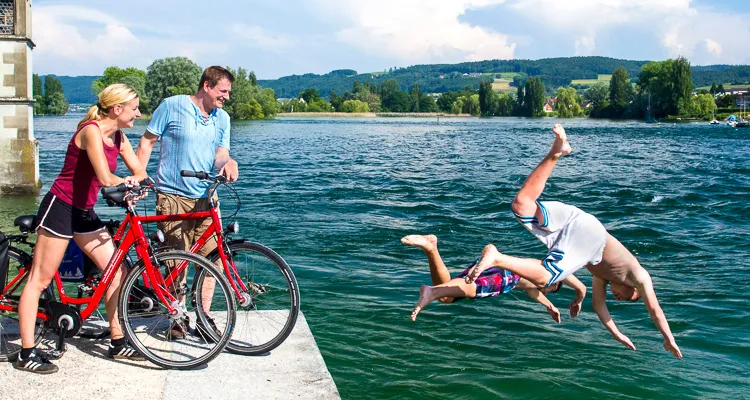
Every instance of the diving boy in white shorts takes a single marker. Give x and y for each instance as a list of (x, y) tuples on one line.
[(576, 239)]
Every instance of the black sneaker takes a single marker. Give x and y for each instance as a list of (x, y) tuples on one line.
[(206, 331), (178, 329), (125, 352), (36, 362)]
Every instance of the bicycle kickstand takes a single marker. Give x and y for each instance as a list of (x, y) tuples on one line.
[(61, 347)]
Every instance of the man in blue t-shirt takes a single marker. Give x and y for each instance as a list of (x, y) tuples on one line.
[(194, 133)]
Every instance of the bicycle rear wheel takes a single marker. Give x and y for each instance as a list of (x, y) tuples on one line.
[(180, 341), (10, 333), (267, 312)]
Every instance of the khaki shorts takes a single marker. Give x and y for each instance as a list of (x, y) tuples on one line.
[(181, 235)]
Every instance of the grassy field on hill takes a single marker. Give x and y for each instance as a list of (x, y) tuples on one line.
[(602, 78)]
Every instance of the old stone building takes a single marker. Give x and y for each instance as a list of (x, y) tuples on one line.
[(19, 167)]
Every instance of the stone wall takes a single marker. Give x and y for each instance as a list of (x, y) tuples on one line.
[(19, 168)]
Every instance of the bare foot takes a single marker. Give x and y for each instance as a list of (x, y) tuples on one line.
[(424, 242), (425, 297), (560, 147), (489, 258)]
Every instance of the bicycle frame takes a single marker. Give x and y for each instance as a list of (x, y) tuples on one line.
[(230, 270), (129, 234)]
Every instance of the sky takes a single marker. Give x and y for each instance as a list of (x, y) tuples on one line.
[(280, 38)]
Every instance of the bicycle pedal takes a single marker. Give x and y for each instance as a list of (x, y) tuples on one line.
[(56, 354)]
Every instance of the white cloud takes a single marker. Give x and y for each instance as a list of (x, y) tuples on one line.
[(415, 31), (255, 36), (713, 47), (56, 34), (585, 45), (677, 26)]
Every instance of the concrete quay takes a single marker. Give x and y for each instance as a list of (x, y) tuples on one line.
[(294, 370)]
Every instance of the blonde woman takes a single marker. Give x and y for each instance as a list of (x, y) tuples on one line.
[(67, 212)]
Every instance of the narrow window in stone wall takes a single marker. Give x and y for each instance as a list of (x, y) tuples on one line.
[(6, 17)]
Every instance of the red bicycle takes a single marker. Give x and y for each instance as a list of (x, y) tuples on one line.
[(149, 306), (264, 286)]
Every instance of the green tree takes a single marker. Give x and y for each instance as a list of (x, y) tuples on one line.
[(597, 95), (568, 103), (458, 106), (487, 98), (504, 105), (336, 101), (354, 106), (471, 105), (445, 101), (720, 89), (133, 77), (55, 104), (389, 96), (669, 85), (169, 77), (36, 85), (248, 101), (620, 89), (37, 90), (310, 95), (414, 94), (52, 85), (683, 86), (53, 101), (704, 106), (534, 97)]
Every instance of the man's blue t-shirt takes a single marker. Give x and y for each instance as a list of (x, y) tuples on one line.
[(187, 142)]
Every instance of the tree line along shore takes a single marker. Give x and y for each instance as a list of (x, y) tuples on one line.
[(661, 89)]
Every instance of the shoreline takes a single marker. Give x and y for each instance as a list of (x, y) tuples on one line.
[(366, 115)]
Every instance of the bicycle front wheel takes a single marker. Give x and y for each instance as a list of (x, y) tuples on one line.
[(267, 311), (203, 324), (10, 332)]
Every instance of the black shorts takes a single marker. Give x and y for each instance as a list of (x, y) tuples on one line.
[(62, 219)]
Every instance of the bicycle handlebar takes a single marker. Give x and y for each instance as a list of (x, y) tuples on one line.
[(203, 175), (123, 187)]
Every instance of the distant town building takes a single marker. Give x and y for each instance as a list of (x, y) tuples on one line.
[(19, 153)]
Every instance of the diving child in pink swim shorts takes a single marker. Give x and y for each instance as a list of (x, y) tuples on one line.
[(492, 282)]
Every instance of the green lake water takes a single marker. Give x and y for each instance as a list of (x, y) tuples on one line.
[(334, 196)]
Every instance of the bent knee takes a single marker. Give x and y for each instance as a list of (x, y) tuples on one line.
[(447, 300)]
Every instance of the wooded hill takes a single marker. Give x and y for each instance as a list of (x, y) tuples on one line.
[(440, 78)]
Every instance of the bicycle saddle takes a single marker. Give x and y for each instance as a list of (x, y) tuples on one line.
[(25, 223)]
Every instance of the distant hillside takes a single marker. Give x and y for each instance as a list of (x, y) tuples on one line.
[(440, 78), (77, 88)]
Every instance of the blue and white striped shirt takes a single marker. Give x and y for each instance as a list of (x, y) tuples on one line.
[(187, 142)]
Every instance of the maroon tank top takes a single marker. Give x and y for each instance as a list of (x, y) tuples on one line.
[(77, 183)]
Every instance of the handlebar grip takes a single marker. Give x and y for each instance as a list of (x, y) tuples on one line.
[(194, 174), (147, 182), (112, 189)]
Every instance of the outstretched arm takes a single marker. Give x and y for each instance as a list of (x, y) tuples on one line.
[(580, 288), (598, 301), (543, 300), (646, 290)]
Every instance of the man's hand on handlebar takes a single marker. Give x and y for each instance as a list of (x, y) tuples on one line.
[(230, 170)]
